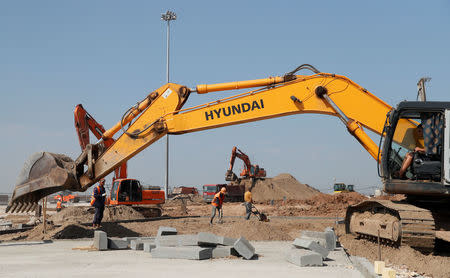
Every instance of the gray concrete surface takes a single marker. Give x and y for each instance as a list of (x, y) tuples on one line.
[(304, 257), (58, 259)]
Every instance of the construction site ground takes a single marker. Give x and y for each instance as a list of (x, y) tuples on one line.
[(290, 205), (57, 258)]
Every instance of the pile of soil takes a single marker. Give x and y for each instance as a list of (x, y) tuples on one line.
[(86, 214), (434, 265), (281, 187)]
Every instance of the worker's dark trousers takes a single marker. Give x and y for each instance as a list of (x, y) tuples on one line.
[(98, 215), (213, 213), (248, 210)]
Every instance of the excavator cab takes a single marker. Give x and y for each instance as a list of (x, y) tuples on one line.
[(126, 190), (415, 161)]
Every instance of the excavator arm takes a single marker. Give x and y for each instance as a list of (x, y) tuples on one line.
[(235, 152), (161, 113), (85, 122)]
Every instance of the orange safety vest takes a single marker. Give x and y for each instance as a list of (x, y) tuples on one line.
[(93, 193), (58, 204), (218, 199)]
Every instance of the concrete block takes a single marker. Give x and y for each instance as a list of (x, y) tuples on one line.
[(326, 239), (137, 245), (164, 231), (227, 241), (148, 246), (207, 239), (224, 251), (144, 238), (244, 248), (183, 252), (303, 257), (176, 240), (364, 266), (117, 244), (389, 273), (311, 245), (100, 240), (166, 241), (379, 267)]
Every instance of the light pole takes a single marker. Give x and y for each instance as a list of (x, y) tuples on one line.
[(168, 16)]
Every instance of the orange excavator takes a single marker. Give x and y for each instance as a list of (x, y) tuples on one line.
[(124, 191), (248, 172), (416, 221)]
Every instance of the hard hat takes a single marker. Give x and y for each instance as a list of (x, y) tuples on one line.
[(223, 190)]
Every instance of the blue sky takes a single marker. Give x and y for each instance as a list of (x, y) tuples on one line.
[(108, 55)]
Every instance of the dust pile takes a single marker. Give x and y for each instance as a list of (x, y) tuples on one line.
[(281, 187)]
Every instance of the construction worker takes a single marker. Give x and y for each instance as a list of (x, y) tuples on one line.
[(58, 205), (216, 204), (248, 204), (99, 195)]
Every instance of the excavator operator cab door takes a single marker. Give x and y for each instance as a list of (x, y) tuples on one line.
[(413, 158), (130, 191)]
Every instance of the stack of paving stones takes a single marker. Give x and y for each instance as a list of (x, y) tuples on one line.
[(312, 247), (168, 244)]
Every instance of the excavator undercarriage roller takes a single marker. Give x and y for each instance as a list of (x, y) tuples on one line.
[(397, 223), (43, 174)]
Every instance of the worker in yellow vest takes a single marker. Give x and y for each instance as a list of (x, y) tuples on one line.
[(248, 204)]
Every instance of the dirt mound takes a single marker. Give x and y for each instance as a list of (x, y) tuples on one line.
[(281, 187), (86, 214)]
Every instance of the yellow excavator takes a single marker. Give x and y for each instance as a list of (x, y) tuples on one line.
[(426, 183)]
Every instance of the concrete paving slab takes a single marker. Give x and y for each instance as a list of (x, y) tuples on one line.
[(176, 240), (207, 239), (165, 231), (364, 266), (117, 244), (227, 241), (183, 252), (148, 246), (311, 245), (100, 240), (304, 257), (224, 251), (326, 239), (137, 245), (244, 248)]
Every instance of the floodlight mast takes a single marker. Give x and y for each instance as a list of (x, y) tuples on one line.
[(168, 16)]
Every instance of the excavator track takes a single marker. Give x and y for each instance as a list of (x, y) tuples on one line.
[(396, 222)]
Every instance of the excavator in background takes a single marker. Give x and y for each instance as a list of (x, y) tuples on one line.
[(415, 221), (124, 191), (248, 172)]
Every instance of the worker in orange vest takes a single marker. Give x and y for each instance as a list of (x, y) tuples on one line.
[(58, 206), (216, 204), (98, 201)]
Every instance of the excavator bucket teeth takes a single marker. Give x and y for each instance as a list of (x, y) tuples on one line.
[(43, 173)]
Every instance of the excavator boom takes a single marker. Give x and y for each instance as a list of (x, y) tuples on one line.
[(161, 113)]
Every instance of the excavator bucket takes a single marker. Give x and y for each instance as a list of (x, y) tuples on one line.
[(43, 173)]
